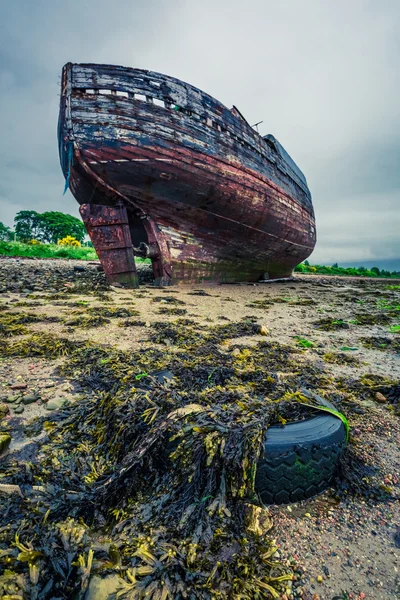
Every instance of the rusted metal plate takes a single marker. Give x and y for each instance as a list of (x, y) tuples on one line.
[(217, 201), (108, 229)]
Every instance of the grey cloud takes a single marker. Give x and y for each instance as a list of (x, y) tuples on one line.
[(324, 77)]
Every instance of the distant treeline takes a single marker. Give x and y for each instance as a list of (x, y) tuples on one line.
[(48, 227), (305, 267)]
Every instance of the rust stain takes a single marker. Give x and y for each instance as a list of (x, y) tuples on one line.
[(194, 186)]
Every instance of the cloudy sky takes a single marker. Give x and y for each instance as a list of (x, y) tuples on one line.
[(323, 76)]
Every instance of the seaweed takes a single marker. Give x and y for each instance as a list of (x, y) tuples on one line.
[(199, 293), (167, 299), (381, 343), (372, 318), (131, 323), (303, 342), (184, 332), (166, 310), (330, 324), (86, 322), (165, 472), (263, 304), (152, 478), (370, 384), (340, 358), (39, 344), (113, 313), (12, 324)]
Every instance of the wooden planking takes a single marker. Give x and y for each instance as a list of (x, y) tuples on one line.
[(131, 124), (231, 200), (136, 81)]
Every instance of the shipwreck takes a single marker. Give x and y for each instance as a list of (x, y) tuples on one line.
[(162, 170)]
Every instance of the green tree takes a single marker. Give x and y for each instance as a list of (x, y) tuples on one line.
[(5, 233), (306, 263), (376, 271), (58, 225), (27, 225)]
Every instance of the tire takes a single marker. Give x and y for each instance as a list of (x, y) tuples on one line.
[(300, 459)]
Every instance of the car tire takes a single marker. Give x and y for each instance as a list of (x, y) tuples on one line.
[(300, 459)]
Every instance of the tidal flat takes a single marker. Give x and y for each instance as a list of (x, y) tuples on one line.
[(80, 399)]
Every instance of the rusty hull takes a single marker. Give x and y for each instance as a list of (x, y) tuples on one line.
[(163, 170)]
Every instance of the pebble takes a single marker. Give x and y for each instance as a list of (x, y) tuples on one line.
[(380, 398), (19, 386), (48, 384), (4, 410), (19, 409), (56, 403), (103, 588), (30, 398), (10, 399)]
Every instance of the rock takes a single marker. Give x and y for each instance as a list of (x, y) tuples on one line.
[(4, 410), (320, 579), (257, 519), (5, 440), (19, 386), (104, 588), (380, 398), (29, 398), (19, 409), (11, 399), (79, 268), (236, 352), (56, 404), (264, 330)]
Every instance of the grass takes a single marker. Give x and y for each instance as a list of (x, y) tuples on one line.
[(46, 251), (53, 251)]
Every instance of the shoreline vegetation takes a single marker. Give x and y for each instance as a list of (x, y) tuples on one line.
[(40, 250), (361, 271)]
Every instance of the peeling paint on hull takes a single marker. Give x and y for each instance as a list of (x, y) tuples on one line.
[(206, 197)]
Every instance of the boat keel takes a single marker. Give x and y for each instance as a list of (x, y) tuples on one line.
[(108, 228)]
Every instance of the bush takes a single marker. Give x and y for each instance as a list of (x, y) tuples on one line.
[(69, 240), (46, 251)]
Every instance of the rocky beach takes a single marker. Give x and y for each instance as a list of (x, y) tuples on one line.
[(337, 336)]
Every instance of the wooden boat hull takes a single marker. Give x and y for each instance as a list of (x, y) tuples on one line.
[(208, 204)]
